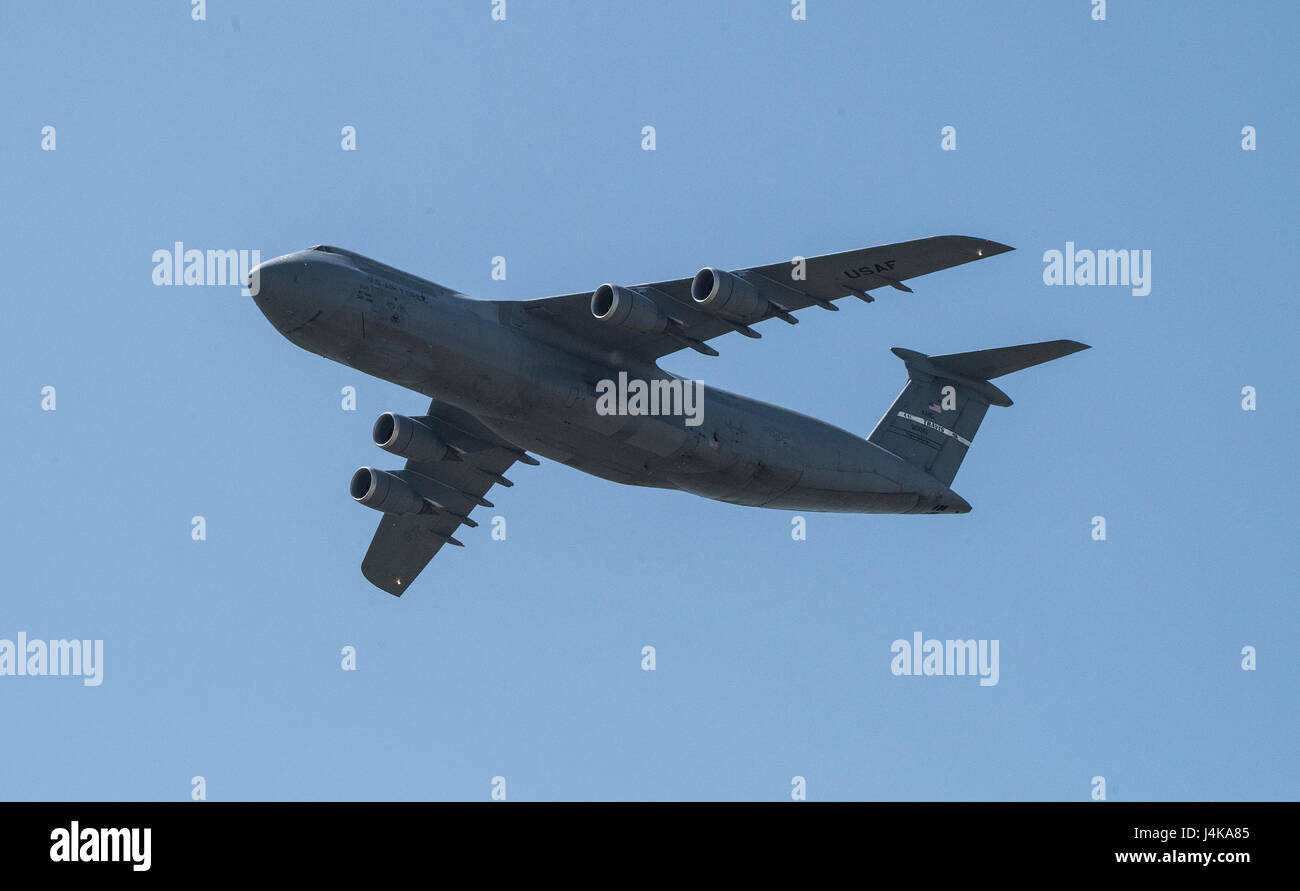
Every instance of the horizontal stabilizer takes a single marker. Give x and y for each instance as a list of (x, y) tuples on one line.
[(984, 365)]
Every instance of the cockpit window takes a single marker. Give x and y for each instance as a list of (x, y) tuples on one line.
[(375, 267)]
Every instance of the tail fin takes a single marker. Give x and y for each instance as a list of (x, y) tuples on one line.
[(934, 419)]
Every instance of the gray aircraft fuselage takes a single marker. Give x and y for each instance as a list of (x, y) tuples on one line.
[(536, 387)]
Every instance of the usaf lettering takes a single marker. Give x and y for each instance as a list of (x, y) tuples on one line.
[(887, 266)]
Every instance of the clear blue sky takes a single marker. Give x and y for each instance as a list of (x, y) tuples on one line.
[(522, 658)]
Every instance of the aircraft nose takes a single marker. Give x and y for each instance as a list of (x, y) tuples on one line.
[(274, 276), (283, 289)]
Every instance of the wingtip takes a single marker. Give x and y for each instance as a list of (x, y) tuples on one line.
[(387, 585), (983, 247), (989, 248)]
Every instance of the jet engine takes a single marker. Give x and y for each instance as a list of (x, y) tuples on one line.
[(407, 437), (386, 492), (627, 309), (728, 295)]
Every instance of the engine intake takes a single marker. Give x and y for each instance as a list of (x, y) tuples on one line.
[(383, 491), (728, 295), (627, 309), (407, 437)]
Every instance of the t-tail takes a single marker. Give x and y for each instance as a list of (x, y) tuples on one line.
[(933, 421)]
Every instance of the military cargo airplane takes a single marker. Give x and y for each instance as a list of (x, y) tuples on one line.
[(507, 377)]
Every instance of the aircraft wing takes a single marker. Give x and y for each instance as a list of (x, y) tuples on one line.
[(825, 279), (404, 544)]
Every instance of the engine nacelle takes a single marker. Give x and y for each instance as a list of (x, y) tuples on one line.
[(728, 295), (408, 438), (386, 492), (627, 309)]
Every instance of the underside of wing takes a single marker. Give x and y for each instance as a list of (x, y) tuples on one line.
[(653, 320), (454, 460), (400, 550)]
